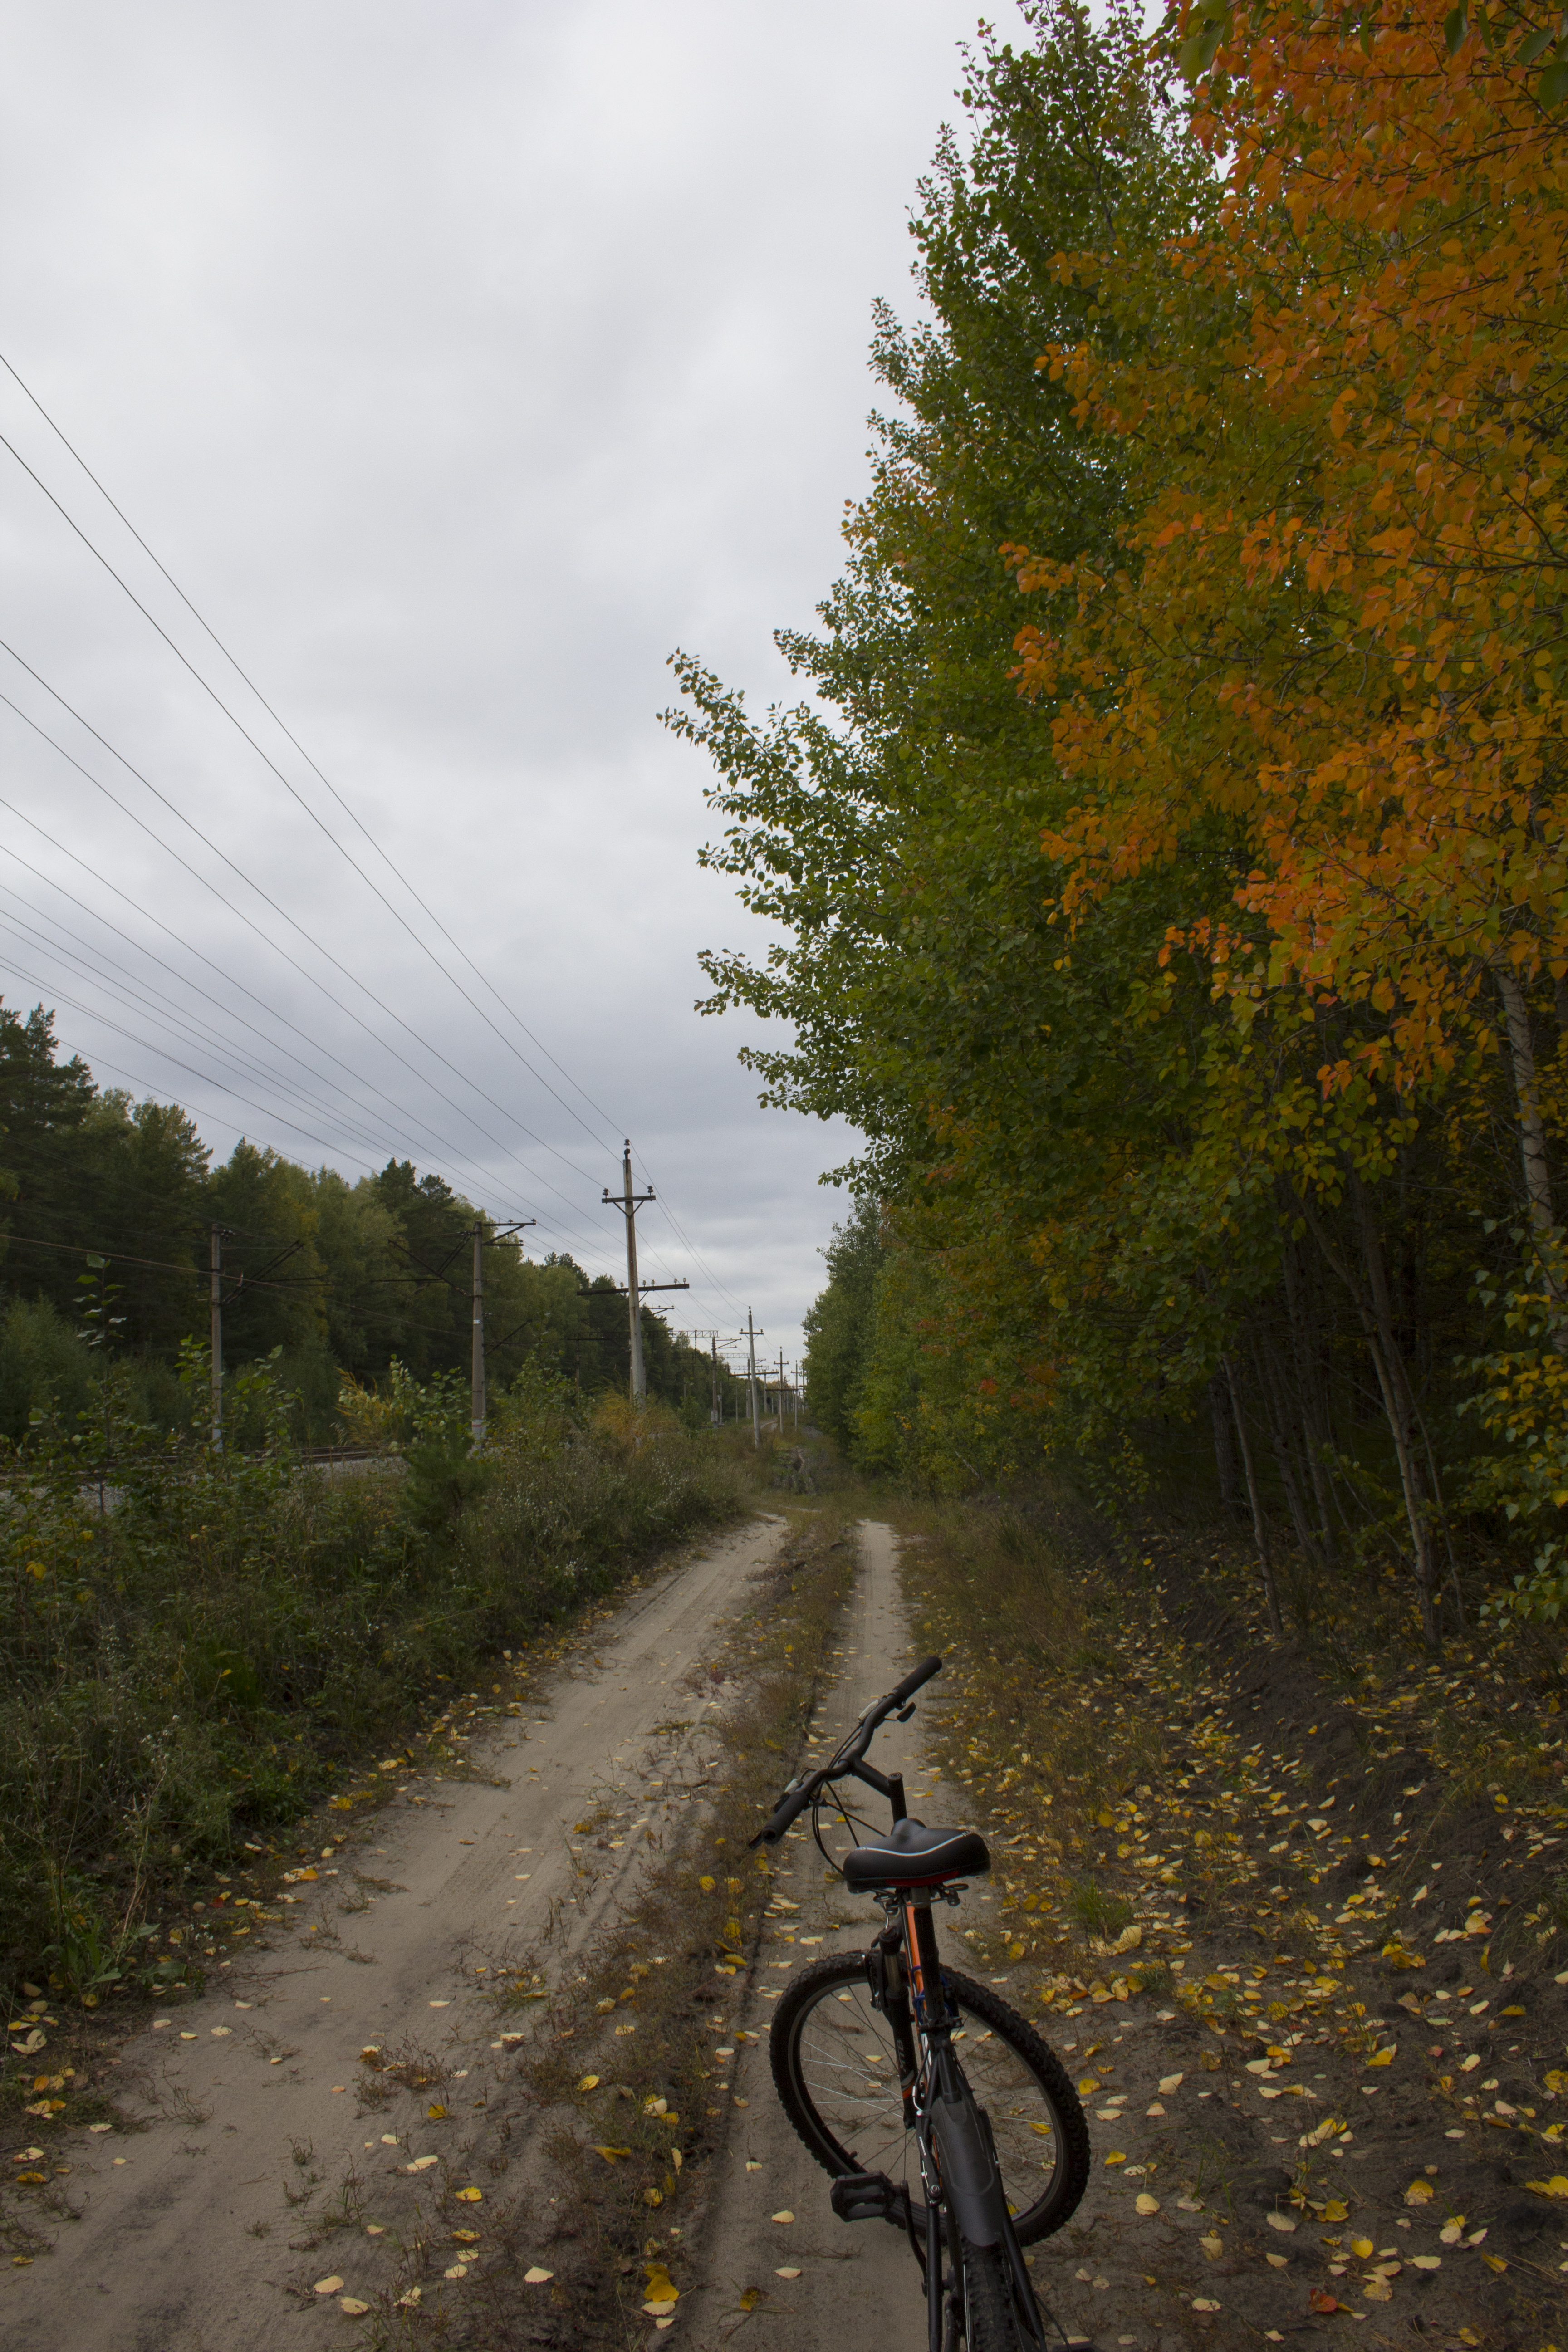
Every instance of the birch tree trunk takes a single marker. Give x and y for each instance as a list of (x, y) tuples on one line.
[(1527, 1093)]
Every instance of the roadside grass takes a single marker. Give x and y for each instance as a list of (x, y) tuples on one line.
[(188, 1674), (616, 2066)]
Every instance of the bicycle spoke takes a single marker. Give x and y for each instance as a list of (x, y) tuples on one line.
[(846, 2068)]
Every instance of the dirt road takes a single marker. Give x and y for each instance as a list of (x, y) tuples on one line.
[(207, 2226), (854, 2284)]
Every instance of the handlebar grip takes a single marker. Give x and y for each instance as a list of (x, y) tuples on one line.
[(790, 1806), (913, 1682)]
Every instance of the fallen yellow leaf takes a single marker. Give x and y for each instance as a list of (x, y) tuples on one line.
[(589, 2083), (786, 2274), (1361, 2248), (750, 2297), (1556, 2186), (471, 2196), (436, 2112), (1420, 2192), (1147, 2204), (611, 2155), (536, 2277), (1384, 2057), (332, 2286), (351, 2307), (783, 2215)]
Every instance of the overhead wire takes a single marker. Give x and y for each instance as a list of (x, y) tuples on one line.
[(160, 1009), (214, 1042), (532, 1174), (206, 883), (341, 802), (347, 806), (210, 690), (320, 1283), (454, 1157)]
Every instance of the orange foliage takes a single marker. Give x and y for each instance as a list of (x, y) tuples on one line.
[(1338, 627)]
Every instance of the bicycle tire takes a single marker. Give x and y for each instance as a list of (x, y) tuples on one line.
[(990, 2316), (851, 2117)]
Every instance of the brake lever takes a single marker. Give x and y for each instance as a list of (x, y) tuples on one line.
[(904, 1712)]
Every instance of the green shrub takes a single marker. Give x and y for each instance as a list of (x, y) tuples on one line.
[(206, 1656)]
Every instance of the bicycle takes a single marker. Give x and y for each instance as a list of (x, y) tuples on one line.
[(977, 2182)]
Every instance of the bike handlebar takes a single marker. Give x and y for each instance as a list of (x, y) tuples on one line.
[(913, 1682), (803, 1791), (790, 1807)]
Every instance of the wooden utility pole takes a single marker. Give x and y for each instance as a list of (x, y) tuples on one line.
[(214, 1334), (477, 1372), (630, 1202), (712, 1339), (752, 1336), (481, 1240)]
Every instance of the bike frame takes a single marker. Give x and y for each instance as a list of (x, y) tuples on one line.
[(957, 2155), (957, 2159)]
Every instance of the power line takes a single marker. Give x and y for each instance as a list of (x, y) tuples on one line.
[(292, 961), (116, 1257), (294, 793), (267, 899), (160, 1009), (447, 1151), (315, 818)]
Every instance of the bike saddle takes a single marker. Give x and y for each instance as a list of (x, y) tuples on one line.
[(908, 1855)]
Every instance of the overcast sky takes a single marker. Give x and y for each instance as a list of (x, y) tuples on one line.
[(460, 361)]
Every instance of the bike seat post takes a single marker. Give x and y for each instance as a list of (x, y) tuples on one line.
[(896, 1796)]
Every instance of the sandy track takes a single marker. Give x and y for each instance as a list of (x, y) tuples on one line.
[(858, 2283), (202, 2230)]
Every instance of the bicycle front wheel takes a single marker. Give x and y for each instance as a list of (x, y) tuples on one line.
[(990, 2316), (836, 2074)]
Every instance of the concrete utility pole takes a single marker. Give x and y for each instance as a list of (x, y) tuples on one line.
[(215, 1310), (630, 1202), (752, 1336), (476, 1376)]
